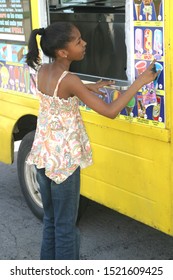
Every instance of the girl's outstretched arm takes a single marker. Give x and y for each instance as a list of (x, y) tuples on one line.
[(112, 109)]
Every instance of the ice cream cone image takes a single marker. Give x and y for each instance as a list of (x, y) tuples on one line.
[(129, 110), (157, 4), (130, 105), (138, 8), (147, 9)]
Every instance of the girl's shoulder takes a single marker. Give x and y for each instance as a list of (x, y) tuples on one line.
[(42, 68), (71, 77)]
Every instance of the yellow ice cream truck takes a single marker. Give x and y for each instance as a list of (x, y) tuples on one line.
[(132, 171)]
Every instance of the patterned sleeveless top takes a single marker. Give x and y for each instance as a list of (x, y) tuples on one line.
[(61, 143)]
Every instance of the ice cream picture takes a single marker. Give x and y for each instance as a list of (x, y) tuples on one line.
[(129, 107), (138, 8), (11, 80), (147, 10), (149, 95), (157, 4), (141, 107), (16, 77), (139, 42), (3, 52), (140, 67), (156, 109), (158, 67), (148, 43), (158, 43), (4, 74)]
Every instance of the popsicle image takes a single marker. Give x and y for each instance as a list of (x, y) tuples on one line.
[(157, 4), (138, 8), (139, 42), (158, 42), (22, 80), (16, 77), (11, 72), (147, 8), (20, 54), (148, 43), (4, 75)]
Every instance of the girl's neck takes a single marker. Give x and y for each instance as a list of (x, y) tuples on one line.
[(61, 64)]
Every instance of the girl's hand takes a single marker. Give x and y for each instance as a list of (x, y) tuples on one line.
[(148, 75), (96, 87)]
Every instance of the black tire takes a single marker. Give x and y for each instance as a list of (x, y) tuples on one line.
[(27, 177), (28, 182)]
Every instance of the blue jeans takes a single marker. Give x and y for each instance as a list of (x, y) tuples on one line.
[(60, 203)]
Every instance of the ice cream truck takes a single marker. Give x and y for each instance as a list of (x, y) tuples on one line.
[(132, 171)]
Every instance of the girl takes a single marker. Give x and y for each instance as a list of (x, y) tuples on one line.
[(61, 146)]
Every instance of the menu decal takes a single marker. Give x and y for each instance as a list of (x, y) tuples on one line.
[(14, 19), (148, 28), (15, 27)]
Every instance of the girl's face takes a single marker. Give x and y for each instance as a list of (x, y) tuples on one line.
[(76, 48)]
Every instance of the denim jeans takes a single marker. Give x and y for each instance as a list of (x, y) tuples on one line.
[(60, 203)]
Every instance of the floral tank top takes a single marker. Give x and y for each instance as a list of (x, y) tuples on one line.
[(61, 143)]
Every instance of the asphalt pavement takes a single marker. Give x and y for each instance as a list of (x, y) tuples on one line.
[(105, 234)]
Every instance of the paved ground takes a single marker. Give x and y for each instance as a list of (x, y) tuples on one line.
[(105, 234)]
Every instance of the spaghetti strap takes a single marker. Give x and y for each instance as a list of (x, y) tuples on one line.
[(59, 81), (37, 71)]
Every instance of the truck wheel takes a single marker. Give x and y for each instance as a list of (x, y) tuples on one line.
[(28, 182), (27, 177)]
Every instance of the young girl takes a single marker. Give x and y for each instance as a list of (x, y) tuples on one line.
[(61, 146)]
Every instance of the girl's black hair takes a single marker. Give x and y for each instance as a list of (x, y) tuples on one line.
[(53, 37)]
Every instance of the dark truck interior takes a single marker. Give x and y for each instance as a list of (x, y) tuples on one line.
[(102, 25)]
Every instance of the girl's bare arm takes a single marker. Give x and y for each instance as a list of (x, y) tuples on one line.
[(110, 110)]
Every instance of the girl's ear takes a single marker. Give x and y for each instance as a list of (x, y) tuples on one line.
[(62, 53)]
